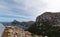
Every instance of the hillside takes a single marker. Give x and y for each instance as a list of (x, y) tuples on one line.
[(23, 25), (13, 31)]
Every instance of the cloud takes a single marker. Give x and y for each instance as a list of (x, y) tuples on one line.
[(53, 5), (18, 9), (33, 6), (26, 9), (7, 19)]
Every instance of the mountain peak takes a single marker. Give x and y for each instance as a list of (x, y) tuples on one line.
[(15, 22)]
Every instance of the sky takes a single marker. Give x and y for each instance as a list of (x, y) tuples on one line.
[(26, 10)]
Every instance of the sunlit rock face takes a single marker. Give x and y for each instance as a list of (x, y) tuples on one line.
[(1, 29), (14, 31), (49, 18)]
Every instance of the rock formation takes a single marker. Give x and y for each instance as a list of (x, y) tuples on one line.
[(49, 18)]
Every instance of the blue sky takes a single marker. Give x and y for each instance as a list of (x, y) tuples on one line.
[(26, 10)]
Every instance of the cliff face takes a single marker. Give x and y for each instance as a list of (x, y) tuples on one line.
[(46, 24), (49, 18)]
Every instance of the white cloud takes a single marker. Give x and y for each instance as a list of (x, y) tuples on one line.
[(32, 7), (53, 5), (15, 15), (38, 6)]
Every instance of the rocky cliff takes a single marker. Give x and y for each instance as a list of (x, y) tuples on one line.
[(49, 18)]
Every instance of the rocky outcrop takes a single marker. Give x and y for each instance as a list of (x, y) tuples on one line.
[(49, 18), (13, 31), (47, 24)]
